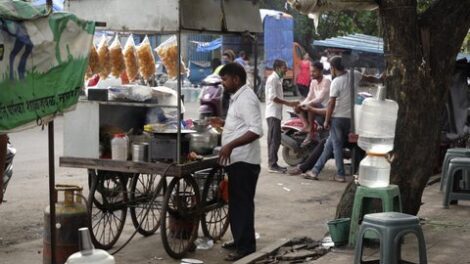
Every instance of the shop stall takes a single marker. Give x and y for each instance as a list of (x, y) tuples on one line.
[(167, 183)]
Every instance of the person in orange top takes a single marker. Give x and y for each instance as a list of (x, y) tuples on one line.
[(303, 78)]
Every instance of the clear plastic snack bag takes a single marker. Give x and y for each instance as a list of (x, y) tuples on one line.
[(94, 65), (130, 59), (168, 53), (104, 58), (117, 59), (146, 59)]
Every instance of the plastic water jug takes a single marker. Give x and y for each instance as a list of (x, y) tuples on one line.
[(377, 123), (119, 147), (374, 171), (88, 254), (376, 131)]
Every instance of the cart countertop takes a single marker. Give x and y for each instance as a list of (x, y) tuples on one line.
[(177, 170)]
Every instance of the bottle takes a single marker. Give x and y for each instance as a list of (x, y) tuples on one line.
[(374, 171), (119, 147), (88, 254), (377, 123)]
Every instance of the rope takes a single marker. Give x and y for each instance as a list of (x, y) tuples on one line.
[(146, 213)]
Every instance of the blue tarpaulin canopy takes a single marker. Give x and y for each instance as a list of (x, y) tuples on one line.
[(208, 46), (362, 44), (356, 42)]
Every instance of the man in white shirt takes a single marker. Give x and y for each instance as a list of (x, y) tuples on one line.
[(240, 154), (318, 95), (274, 101), (338, 117)]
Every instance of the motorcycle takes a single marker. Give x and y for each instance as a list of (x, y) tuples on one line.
[(211, 97), (292, 137), (8, 173)]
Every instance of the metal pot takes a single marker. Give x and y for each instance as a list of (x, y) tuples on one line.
[(204, 140)]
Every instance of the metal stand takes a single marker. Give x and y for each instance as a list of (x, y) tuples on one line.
[(52, 190)]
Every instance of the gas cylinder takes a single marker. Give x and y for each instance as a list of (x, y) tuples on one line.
[(71, 214)]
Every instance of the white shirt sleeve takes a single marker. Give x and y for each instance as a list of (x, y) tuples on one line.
[(334, 88), (271, 88), (251, 114), (311, 93), (324, 93)]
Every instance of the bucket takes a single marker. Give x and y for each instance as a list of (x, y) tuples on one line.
[(339, 230)]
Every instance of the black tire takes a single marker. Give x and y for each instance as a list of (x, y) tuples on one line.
[(214, 221), (144, 188), (107, 207), (291, 157), (180, 216)]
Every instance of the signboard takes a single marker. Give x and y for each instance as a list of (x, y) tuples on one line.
[(42, 65)]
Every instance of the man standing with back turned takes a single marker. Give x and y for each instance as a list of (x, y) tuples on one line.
[(240, 154)]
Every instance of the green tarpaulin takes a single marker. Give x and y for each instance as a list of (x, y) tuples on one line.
[(42, 62)]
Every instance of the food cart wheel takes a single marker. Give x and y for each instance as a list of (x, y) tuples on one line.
[(144, 189), (107, 207), (180, 216), (214, 221)]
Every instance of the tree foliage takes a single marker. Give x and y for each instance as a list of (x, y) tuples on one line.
[(421, 41)]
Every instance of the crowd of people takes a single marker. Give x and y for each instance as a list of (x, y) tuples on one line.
[(324, 102)]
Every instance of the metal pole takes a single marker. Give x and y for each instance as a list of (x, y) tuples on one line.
[(52, 190), (178, 68), (354, 150), (255, 72), (353, 97)]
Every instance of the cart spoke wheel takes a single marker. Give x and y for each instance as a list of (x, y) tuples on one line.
[(214, 221), (107, 205), (180, 216), (146, 194)]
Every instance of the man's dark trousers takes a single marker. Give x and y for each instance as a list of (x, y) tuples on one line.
[(242, 179), (274, 140)]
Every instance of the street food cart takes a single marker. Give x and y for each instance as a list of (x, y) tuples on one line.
[(158, 193)]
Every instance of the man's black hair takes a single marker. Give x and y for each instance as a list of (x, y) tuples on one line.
[(278, 63), (337, 63), (318, 65), (234, 69)]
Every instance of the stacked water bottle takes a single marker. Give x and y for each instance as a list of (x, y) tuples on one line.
[(377, 123)]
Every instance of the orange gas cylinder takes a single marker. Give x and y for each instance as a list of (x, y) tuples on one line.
[(71, 214)]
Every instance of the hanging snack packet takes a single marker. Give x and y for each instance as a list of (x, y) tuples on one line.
[(117, 59), (168, 53), (130, 59), (146, 59), (93, 61), (104, 58)]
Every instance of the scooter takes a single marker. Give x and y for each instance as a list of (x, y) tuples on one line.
[(293, 151), (8, 173), (211, 97)]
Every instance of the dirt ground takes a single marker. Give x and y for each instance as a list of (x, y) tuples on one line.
[(285, 206)]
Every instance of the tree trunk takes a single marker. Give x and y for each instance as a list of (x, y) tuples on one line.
[(420, 53)]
